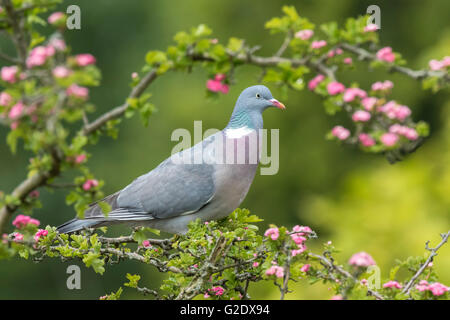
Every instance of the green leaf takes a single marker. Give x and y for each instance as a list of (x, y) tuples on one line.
[(133, 280), (154, 57), (106, 208)]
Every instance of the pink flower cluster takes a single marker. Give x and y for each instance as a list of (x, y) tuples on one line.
[(218, 291), (304, 34), (439, 64), (395, 111), (217, 84), (314, 82), (382, 86), (17, 236), (5, 99), (351, 93), (78, 92), (361, 116), (436, 288), (85, 59), (38, 56), (58, 44), (16, 111), (368, 103), (39, 234), (305, 268), (386, 54), (55, 16), (361, 259), (348, 60), (335, 88), (299, 237), (146, 244), (318, 44), (366, 140), (9, 74), (89, 184), (392, 284), (275, 270), (389, 139), (273, 233), (407, 132), (336, 52), (371, 27), (340, 132), (61, 72), (22, 221)]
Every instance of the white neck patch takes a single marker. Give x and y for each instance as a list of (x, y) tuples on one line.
[(238, 132)]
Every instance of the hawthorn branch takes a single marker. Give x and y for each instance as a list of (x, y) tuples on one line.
[(328, 263), (433, 253)]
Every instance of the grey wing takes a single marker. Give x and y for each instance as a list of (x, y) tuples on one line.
[(169, 190), (176, 187)]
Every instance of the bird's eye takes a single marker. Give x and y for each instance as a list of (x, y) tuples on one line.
[(258, 95)]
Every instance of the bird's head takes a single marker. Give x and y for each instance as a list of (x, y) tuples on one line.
[(257, 98)]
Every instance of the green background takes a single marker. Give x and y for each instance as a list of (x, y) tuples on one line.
[(357, 200)]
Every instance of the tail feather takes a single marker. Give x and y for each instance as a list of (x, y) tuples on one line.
[(77, 225)]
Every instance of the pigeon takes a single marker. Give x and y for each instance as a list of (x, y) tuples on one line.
[(207, 181)]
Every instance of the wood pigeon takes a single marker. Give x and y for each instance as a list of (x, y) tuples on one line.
[(207, 181)]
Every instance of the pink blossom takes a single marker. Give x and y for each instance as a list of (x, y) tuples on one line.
[(363, 282), (214, 41), (146, 244), (89, 184), (361, 259), (22, 221), (395, 111), (386, 54), (437, 289), (435, 65), (305, 268), (216, 85), (366, 140), (386, 85), (39, 55), (304, 34), (422, 286), (218, 291), (273, 233), (408, 133), (337, 297), (371, 27), (78, 91), (255, 264), (61, 72), (54, 17), (389, 139), (16, 111), (39, 234), (301, 248), (5, 99), (335, 88), (351, 93), (313, 83), (361, 116), (58, 44), (80, 158), (297, 238), (85, 59), (17, 236), (14, 125), (368, 103), (318, 44), (275, 270), (206, 295), (348, 60), (9, 74), (340, 132), (392, 284), (298, 228), (134, 75)]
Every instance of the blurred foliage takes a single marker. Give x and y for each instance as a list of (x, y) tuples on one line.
[(357, 200)]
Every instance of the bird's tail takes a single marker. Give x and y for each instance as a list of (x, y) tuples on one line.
[(77, 225)]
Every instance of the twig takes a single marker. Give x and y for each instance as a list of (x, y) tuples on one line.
[(433, 253)]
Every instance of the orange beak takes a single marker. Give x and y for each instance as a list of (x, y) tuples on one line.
[(277, 104)]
